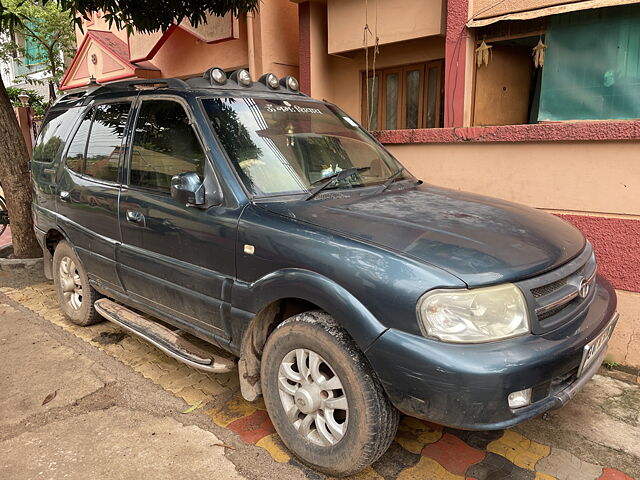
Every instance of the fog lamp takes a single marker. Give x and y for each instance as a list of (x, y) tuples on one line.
[(218, 76), (290, 82), (272, 80), (521, 398), (244, 78)]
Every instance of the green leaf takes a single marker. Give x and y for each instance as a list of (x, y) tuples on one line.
[(193, 407)]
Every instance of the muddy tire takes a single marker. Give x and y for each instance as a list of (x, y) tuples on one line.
[(75, 296), (323, 398)]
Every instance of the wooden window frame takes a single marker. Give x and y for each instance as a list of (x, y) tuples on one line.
[(403, 74)]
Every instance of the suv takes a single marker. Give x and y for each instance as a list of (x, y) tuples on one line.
[(218, 213)]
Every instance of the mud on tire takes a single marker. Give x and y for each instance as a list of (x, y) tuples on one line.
[(371, 421)]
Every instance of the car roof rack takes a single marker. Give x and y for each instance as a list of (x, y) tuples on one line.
[(139, 84)]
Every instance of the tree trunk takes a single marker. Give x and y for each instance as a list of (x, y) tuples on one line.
[(16, 180)]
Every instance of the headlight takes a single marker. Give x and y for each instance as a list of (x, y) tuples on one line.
[(474, 316)]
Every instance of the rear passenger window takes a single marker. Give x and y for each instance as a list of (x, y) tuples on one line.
[(164, 145), (53, 135), (75, 154), (103, 150)]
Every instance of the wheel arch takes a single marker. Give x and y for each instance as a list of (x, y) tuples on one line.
[(52, 237), (282, 294)]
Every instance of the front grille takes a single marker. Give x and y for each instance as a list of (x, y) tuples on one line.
[(552, 287), (551, 313), (554, 298)]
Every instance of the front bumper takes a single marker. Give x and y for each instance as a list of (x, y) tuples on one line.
[(466, 386)]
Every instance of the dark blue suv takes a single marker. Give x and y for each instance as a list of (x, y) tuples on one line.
[(222, 218)]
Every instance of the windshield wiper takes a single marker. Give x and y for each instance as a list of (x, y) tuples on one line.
[(387, 183), (336, 176)]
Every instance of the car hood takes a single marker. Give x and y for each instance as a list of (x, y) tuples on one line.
[(479, 239)]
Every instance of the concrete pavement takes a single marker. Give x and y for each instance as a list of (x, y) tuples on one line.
[(108, 419)]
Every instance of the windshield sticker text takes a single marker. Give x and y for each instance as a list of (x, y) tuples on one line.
[(271, 108)]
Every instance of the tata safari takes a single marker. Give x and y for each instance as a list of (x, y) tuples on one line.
[(239, 224)]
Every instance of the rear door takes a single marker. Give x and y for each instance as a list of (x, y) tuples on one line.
[(176, 259), (89, 188)]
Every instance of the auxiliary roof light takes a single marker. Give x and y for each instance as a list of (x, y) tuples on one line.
[(218, 76), (270, 80), (290, 82), (242, 77)]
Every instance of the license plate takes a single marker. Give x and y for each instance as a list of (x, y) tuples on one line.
[(595, 346)]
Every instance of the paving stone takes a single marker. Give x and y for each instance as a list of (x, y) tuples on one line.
[(232, 410), (519, 450), (565, 466), (478, 440), (414, 434), (496, 467), (253, 427), (150, 371), (427, 468), (613, 474), (453, 454), (193, 396), (367, 474), (544, 476), (395, 460), (274, 446), (211, 387)]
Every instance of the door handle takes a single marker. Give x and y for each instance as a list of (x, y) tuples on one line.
[(133, 216), (65, 196)]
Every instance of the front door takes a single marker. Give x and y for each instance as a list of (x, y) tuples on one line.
[(176, 259)]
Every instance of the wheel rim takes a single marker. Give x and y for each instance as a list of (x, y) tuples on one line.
[(313, 397), (70, 283)]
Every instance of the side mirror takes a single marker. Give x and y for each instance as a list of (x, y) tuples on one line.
[(187, 188)]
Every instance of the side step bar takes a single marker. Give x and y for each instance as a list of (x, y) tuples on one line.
[(163, 338)]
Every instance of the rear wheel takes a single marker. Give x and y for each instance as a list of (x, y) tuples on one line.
[(75, 295), (322, 396)]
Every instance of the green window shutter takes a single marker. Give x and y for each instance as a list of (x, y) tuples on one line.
[(592, 66)]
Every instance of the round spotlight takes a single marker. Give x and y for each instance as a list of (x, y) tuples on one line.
[(290, 82), (244, 78), (218, 76), (272, 81)]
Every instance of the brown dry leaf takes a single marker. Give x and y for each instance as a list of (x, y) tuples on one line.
[(49, 397), (223, 445)]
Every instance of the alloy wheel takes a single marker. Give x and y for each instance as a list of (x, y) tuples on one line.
[(313, 397), (70, 283)]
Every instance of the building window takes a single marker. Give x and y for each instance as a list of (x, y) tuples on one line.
[(403, 97), (591, 68)]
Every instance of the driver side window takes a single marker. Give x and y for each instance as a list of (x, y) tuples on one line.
[(164, 145)]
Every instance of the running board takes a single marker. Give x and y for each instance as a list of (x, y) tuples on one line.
[(163, 338)]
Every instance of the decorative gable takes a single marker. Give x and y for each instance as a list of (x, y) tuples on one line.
[(103, 56)]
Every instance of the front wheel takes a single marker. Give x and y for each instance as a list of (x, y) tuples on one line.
[(323, 398)]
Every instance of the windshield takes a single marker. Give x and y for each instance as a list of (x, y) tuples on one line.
[(288, 146)]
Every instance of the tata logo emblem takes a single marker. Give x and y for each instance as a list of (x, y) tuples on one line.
[(583, 288)]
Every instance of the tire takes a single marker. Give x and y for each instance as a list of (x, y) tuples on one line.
[(75, 296), (344, 440)]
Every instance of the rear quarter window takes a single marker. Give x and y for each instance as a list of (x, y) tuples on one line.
[(53, 134)]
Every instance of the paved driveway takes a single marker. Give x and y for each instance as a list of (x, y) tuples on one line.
[(597, 436)]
